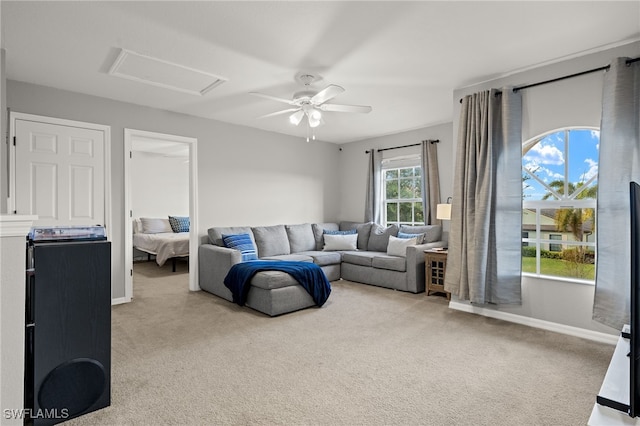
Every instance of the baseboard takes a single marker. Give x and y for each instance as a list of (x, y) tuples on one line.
[(120, 300), (537, 323)]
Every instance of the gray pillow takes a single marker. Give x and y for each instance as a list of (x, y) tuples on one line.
[(379, 237), (301, 238), (432, 233), (318, 230), (271, 240), (215, 234), (363, 230)]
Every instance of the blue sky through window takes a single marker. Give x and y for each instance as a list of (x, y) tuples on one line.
[(549, 158)]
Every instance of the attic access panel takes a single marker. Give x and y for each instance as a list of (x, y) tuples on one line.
[(161, 73)]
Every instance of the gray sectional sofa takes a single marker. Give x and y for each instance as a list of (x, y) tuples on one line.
[(275, 293)]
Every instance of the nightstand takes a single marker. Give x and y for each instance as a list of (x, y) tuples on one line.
[(435, 268)]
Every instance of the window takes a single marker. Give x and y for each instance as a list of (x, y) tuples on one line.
[(559, 190), (403, 195)]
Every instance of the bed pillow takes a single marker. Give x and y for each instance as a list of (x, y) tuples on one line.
[(179, 223), (333, 242), (243, 243), (152, 225), (398, 246)]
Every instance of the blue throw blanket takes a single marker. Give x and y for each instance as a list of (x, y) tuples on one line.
[(309, 275)]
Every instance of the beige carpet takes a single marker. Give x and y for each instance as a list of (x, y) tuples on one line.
[(369, 356)]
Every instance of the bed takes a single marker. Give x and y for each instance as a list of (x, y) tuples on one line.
[(156, 237)]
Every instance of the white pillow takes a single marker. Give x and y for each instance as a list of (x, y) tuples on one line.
[(398, 246), (155, 226), (340, 242)]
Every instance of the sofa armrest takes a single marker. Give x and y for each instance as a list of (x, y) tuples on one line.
[(415, 265), (214, 264)]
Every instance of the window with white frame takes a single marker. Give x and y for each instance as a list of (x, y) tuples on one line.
[(559, 190), (402, 191)]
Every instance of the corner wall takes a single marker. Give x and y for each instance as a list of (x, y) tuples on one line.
[(245, 176), (572, 102)]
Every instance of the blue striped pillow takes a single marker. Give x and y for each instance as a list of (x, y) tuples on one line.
[(419, 237), (179, 223), (243, 243), (349, 232)]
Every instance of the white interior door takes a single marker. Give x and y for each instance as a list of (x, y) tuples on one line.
[(59, 173)]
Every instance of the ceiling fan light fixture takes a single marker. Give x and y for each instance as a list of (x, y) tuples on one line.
[(313, 122), (296, 117), (315, 114)]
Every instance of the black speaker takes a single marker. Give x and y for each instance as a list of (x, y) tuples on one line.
[(68, 334)]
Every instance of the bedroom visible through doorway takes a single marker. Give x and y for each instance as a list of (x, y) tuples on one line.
[(160, 204)]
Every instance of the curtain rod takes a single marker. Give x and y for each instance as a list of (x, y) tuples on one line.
[(553, 80), (405, 146)]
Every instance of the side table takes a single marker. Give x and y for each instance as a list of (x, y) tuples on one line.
[(435, 268)]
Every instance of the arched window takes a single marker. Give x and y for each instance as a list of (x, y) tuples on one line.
[(559, 190)]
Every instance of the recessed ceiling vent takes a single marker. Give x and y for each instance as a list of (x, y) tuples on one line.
[(160, 73)]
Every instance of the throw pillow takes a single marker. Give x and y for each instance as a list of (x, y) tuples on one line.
[(179, 223), (379, 237), (419, 237), (398, 246), (432, 233), (340, 242), (243, 243), (332, 232), (155, 226)]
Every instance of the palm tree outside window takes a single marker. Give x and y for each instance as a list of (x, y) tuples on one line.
[(559, 189)]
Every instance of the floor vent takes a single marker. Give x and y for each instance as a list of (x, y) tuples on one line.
[(160, 73)]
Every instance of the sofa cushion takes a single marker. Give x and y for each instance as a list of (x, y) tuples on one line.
[(300, 237), (215, 234), (340, 242), (318, 230), (398, 246), (271, 240), (363, 230), (432, 233), (270, 280), (324, 258), (363, 258), (290, 257), (243, 243), (379, 237), (393, 263)]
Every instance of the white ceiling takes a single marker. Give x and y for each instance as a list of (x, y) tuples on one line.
[(402, 58)]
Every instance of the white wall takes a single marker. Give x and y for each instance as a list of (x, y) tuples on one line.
[(246, 176), (354, 165), (159, 185), (573, 102)]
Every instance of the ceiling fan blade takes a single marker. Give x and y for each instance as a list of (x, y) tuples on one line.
[(296, 117), (326, 94), (273, 98), (284, 111), (345, 108)]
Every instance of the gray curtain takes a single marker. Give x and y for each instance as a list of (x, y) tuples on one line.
[(430, 182), (619, 164), (484, 263), (373, 200)]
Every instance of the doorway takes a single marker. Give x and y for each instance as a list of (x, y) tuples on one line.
[(132, 137)]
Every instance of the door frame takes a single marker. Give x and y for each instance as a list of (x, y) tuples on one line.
[(106, 130), (129, 136)]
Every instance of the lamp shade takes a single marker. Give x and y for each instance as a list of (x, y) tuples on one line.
[(443, 211)]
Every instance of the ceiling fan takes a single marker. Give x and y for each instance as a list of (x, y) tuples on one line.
[(311, 103)]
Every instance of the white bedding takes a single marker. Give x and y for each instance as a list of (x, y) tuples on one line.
[(164, 245)]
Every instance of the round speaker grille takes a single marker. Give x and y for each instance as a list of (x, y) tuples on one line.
[(74, 385)]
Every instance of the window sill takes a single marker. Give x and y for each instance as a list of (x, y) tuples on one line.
[(563, 279)]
